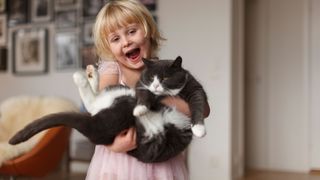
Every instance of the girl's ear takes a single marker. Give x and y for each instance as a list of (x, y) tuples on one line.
[(177, 63)]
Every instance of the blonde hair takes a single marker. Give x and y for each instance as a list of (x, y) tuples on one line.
[(120, 13)]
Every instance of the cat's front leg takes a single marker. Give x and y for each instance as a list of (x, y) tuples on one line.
[(198, 130), (144, 101)]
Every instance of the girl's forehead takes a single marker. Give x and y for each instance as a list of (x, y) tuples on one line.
[(115, 24)]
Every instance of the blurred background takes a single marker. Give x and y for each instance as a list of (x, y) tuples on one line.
[(257, 59)]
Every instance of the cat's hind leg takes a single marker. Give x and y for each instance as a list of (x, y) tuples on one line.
[(93, 78), (86, 93)]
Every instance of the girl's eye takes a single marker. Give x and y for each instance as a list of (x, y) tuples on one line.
[(132, 31), (115, 39)]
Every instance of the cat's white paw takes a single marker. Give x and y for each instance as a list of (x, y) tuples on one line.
[(80, 79), (199, 130), (140, 110), (91, 72)]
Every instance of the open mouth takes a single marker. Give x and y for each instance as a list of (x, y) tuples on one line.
[(133, 54)]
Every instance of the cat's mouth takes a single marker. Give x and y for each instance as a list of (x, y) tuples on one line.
[(133, 54)]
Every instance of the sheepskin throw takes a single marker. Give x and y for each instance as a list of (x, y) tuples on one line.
[(16, 112)]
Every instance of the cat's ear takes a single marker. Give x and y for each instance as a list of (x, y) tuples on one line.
[(177, 63), (147, 62)]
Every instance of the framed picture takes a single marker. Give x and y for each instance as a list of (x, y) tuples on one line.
[(87, 33), (29, 51), (3, 59), (17, 12), (67, 50), (3, 30), (66, 19), (150, 4), (92, 7), (41, 10), (60, 4), (66, 2), (3, 6), (89, 56)]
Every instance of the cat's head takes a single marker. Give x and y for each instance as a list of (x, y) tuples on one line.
[(164, 77)]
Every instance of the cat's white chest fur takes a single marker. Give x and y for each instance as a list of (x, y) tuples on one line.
[(154, 122)]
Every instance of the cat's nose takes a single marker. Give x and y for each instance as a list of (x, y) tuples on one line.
[(155, 86)]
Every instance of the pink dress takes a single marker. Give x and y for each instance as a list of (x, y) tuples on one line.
[(109, 165)]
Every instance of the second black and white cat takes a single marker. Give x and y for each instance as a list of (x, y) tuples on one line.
[(162, 131)]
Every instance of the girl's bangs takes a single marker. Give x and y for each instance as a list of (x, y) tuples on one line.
[(118, 19)]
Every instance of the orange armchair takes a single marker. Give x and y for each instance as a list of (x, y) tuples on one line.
[(38, 156), (43, 158)]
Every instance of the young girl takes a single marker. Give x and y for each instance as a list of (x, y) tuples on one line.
[(125, 33)]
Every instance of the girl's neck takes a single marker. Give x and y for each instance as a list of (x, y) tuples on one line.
[(130, 76)]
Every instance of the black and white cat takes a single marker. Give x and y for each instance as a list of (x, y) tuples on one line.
[(162, 131)]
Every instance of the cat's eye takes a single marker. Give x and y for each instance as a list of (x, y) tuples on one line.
[(165, 78)]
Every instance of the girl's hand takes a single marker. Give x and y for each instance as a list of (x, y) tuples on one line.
[(125, 141)]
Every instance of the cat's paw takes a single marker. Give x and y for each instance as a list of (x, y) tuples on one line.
[(91, 71), (140, 110), (80, 79), (198, 130)]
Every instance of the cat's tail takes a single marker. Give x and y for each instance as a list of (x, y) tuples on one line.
[(69, 119)]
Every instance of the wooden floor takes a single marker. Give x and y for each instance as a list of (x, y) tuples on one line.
[(268, 175), (251, 175), (53, 176)]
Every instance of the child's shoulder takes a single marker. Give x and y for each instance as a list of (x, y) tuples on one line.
[(110, 67)]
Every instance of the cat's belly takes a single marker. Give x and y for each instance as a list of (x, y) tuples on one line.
[(106, 99), (154, 122)]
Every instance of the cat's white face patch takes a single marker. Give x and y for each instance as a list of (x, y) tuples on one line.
[(156, 86)]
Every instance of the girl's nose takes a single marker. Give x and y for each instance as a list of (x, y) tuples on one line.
[(126, 42)]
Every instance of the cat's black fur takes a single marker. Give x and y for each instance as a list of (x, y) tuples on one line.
[(102, 127), (172, 76)]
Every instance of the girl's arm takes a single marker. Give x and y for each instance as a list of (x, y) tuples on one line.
[(107, 80)]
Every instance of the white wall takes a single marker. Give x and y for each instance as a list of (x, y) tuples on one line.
[(278, 85), (315, 83), (56, 83), (201, 33)]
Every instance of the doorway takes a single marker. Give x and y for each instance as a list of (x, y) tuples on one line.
[(282, 128)]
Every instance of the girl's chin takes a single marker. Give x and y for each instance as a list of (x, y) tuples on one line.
[(137, 65)]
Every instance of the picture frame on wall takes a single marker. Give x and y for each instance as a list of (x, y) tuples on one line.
[(3, 6), (30, 51), (67, 50), (65, 3), (3, 30), (66, 19), (3, 59), (89, 56), (92, 7), (150, 4), (17, 12), (87, 33), (41, 10)]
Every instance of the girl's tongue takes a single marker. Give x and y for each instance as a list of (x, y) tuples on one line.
[(133, 54)]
